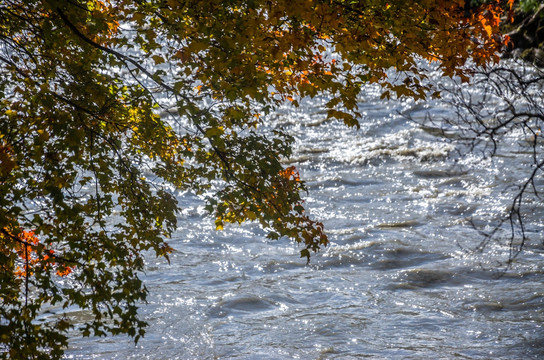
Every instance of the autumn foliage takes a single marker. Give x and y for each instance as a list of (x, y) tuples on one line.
[(31, 255), (106, 106)]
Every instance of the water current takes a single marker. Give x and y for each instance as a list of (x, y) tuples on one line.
[(398, 280)]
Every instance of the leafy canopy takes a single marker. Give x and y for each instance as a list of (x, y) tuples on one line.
[(107, 105)]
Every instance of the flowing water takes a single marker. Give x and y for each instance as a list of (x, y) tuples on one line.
[(398, 280)]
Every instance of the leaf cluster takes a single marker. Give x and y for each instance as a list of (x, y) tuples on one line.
[(107, 105)]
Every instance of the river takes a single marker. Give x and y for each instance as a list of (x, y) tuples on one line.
[(399, 279)]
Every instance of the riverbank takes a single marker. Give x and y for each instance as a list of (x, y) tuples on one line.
[(527, 36)]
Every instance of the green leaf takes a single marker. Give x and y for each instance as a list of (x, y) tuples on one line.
[(158, 59), (214, 131)]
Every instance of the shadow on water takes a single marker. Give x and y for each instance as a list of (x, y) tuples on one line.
[(400, 258), (380, 256), (532, 346), (424, 278), (239, 305)]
